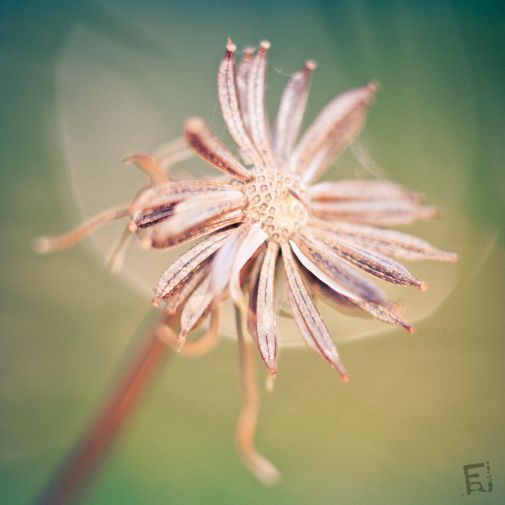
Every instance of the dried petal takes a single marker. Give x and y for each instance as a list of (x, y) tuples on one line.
[(190, 262), (205, 342), (307, 316), (360, 190), (384, 312), (250, 271), (223, 260), (291, 110), (332, 270), (258, 120), (252, 286), (337, 300), (150, 217), (252, 241), (382, 267), (161, 199), (388, 242), (196, 202), (266, 317), (194, 220), (335, 127), (300, 323), (196, 307), (242, 78), (179, 296), (230, 108), (208, 146), (382, 213)]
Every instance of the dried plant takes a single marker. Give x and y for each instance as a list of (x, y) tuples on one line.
[(266, 209)]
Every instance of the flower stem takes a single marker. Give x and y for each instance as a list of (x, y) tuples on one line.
[(245, 429), (76, 472)]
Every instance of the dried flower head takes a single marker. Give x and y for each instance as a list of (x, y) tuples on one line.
[(265, 211)]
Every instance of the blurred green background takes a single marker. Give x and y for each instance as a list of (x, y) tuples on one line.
[(84, 83)]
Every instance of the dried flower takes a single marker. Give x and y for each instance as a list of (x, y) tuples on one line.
[(266, 208)]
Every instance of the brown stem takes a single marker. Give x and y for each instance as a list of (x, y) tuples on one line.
[(71, 479)]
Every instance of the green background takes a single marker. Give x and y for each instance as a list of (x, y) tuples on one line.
[(417, 408)]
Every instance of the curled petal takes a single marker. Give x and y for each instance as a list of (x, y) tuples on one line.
[(291, 110), (190, 262), (360, 190), (266, 322), (208, 146), (307, 316), (335, 127), (382, 213), (258, 120), (374, 263), (388, 242), (230, 107)]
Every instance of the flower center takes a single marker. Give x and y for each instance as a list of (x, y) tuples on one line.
[(276, 201)]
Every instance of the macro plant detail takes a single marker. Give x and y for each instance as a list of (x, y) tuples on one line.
[(264, 220)]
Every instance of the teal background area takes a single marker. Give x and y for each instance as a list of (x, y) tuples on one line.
[(417, 408)]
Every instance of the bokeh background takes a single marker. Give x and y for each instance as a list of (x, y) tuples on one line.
[(84, 83)]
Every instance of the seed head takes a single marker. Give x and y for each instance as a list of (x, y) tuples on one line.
[(267, 210)]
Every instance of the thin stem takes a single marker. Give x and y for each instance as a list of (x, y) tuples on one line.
[(71, 480), (246, 423), (49, 244)]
